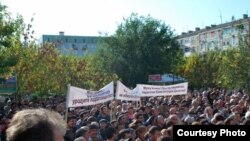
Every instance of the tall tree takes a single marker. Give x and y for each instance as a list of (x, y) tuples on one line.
[(141, 46), (11, 30)]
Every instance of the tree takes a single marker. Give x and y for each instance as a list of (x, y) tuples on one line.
[(11, 30), (201, 70), (140, 46)]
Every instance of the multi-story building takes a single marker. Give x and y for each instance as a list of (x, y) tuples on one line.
[(72, 45), (215, 36)]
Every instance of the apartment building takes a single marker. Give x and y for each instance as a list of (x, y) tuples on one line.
[(215, 36), (72, 45)]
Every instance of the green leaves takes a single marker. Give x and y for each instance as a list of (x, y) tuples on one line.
[(140, 46), (226, 68)]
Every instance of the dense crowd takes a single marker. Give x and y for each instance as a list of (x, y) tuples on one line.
[(151, 119)]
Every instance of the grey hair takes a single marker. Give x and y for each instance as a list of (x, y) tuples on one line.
[(27, 119)]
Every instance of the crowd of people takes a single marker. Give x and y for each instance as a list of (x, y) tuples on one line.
[(151, 119)]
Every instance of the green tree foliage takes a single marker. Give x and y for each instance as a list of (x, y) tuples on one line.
[(42, 70), (201, 69), (225, 68), (140, 46), (11, 30)]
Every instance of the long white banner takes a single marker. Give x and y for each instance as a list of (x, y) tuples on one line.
[(153, 90), (78, 97), (124, 93)]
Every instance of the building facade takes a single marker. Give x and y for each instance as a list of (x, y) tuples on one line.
[(72, 45), (215, 36)]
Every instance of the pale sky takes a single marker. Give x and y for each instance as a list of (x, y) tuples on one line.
[(89, 17)]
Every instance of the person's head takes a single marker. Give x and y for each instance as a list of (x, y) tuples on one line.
[(164, 138), (124, 134), (155, 111), (93, 130), (174, 118), (229, 120), (60, 108), (217, 117), (110, 133), (113, 123), (103, 123), (172, 111), (36, 125), (139, 117), (121, 119), (160, 120), (82, 132), (154, 133), (141, 131), (104, 110), (84, 114), (71, 122), (237, 117), (130, 110), (208, 111)]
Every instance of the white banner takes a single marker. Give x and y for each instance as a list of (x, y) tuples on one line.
[(124, 93), (78, 97), (154, 90)]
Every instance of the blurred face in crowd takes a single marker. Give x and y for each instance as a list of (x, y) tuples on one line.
[(104, 110), (113, 124), (60, 108), (93, 133), (155, 111), (141, 118), (103, 125), (155, 135), (172, 111), (124, 106), (119, 108), (237, 118), (160, 120), (86, 135), (174, 118), (241, 103), (247, 104), (209, 111), (72, 123), (130, 110)]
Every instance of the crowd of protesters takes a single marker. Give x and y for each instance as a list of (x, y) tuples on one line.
[(151, 119)]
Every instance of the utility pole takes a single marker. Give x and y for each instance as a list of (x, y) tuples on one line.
[(220, 17)]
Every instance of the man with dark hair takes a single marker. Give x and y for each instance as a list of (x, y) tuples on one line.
[(36, 125), (110, 134), (94, 133), (104, 114), (124, 134), (71, 128), (154, 133)]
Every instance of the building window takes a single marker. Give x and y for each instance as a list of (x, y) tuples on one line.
[(66, 40), (75, 40), (212, 34), (83, 40), (233, 40)]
